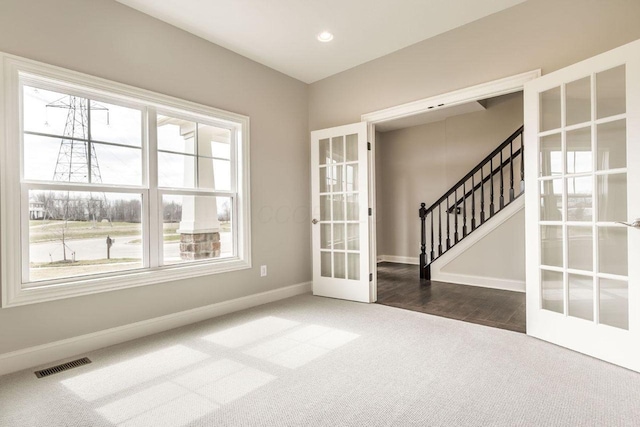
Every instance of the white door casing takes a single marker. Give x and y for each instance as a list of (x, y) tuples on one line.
[(582, 133), (340, 212)]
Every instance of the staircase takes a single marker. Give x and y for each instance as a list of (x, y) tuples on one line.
[(474, 200)]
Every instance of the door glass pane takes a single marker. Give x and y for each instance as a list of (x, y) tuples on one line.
[(339, 265), (325, 264), (579, 198), (612, 197), (551, 155), (613, 250), (354, 266), (551, 200), (325, 153), (324, 179), (579, 154), (338, 236), (338, 149), (552, 291), (578, 103), (610, 92), (353, 237), (352, 207), (612, 145), (352, 148), (551, 239), (580, 245), (338, 207), (337, 178), (550, 109), (325, 208), (325, 236), (614, 303), (581, 296), (352, 178)]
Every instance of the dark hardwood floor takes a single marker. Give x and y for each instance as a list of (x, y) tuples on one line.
[(399, 285)]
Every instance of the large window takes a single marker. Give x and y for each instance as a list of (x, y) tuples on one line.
[(116, 187)]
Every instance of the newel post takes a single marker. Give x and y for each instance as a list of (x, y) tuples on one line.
[(425, 272)]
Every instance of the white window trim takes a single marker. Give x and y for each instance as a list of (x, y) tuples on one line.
[(14, 292)]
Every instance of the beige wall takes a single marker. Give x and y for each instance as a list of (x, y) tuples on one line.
[(106, 39), (420, 163), (546, 34)]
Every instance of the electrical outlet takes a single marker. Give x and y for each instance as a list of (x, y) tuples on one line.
[(263, 270)]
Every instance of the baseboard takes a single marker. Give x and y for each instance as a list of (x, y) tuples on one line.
[(483, 282), (399, 259), (51, 352)]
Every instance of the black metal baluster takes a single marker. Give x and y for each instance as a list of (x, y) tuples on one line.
[(464, 209), (512, 194), (423, 243), (432, 247), (482, 195), (501, 181), (473, 202), (491, 206), (440, 229), (455, 236), (448, 233), (521, 163)]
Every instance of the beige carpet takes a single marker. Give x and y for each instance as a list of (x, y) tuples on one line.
[(317, 361)]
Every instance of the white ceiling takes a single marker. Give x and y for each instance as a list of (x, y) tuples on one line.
[(281, 34)]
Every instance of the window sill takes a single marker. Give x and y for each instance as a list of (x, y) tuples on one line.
[(20, 295)]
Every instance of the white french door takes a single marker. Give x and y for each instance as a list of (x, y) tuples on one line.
[(582, 136), (340, 208)]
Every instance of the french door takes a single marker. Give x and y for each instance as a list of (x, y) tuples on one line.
[(582, 133), (340, 208)]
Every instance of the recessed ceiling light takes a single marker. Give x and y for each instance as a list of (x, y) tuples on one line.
[(325, 36)]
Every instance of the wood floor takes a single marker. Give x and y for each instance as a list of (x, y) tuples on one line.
[(399, 285)]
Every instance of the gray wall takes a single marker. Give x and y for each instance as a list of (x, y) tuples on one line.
[(106, 39), (418, 164), (546, 34)]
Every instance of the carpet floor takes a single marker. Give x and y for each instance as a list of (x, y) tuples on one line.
[(323, 362)]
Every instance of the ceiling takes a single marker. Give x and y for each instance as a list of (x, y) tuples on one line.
[(281, 34)]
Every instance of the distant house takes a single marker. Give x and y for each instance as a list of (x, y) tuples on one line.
[(36, 209)]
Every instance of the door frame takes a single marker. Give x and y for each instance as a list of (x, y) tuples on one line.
[(504, 86)]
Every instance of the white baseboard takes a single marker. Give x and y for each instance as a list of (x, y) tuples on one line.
[(399, 259), (51, 352), (483, 282)]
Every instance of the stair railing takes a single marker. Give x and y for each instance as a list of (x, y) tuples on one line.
[(473, 192)]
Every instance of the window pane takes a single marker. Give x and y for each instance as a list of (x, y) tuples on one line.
[(176, 135), (325, 153), (113, 123), (551, 239), (352, 147), (338, 235), (551, 200), (578, 106), (613, 255), (614, 303), (339, 265), (353, 266), (550, 109), (196, 228), (214, 174), (40, 157), (612, 197), (119, 165), (353, 237), (579, 154), (214, 141), (581, 296), (176, 170), (612, 145), (47, 112), (579, 198), (325, 264), (580, 246), (80, 233), (552, 291), (337, 145), (610, 92), (551, 155)]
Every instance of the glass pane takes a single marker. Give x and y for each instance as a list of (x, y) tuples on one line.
[(220, 150), (612, 145), (324, 179), (325, 208), (352, 148), (551, 155), (613, 250), (551, 200), (338, 207), (353, 207), (214, 174), (196, 228), (118, 165), (354, 266), (578, 105), (176, 170), (352, 178), (612, 197), (40, 159), (325, 153), (610, 92), (325, 264), (551, 239), (581, 296), (550, 109), (579, 153), (614, 303), (214, 141), (337, 144), (353, 237), (176, 135), (337, 178), (113, 123), (552, 291), (339, 265), (579, 198), (45, 111), (338, 236), (580, 242), (325, 236), (80, 233)]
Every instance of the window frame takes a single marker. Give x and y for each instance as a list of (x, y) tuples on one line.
[(16, 72)]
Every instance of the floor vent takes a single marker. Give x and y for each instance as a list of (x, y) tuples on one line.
[(59, 368)]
